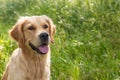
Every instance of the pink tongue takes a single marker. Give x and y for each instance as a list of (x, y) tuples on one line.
[(43, 49)]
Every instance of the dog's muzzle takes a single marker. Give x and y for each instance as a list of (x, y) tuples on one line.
[(44, 41)]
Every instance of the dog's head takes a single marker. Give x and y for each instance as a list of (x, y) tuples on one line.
[(35, 32)]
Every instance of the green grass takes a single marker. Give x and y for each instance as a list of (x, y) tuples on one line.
[(87, 42)]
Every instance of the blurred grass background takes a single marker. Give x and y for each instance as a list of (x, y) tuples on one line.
[(87, 42)]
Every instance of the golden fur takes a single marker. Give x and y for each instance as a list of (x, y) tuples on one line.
[(25, 63)]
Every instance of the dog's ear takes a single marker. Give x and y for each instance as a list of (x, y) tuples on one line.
[(17, 32), (52, 29), (52, 32)]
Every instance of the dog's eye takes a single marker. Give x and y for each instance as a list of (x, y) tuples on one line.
[(31, 28), (45, 26)]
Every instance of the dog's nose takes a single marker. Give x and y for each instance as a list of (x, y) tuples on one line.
[(43, 36)]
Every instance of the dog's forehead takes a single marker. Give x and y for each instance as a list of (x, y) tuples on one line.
[(37, 18), (33, 19)]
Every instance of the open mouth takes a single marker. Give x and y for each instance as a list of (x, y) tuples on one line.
[(42, 49)]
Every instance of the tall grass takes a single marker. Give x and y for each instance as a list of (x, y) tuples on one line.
[(87, 42)]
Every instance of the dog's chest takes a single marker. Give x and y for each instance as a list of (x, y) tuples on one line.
[(38, 70)]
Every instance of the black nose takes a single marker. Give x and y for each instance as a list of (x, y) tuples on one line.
[(43, 36)]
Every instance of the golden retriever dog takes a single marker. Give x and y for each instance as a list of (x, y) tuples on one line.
[(31, 61)]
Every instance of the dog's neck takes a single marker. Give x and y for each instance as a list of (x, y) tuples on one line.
[(33, 60)]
